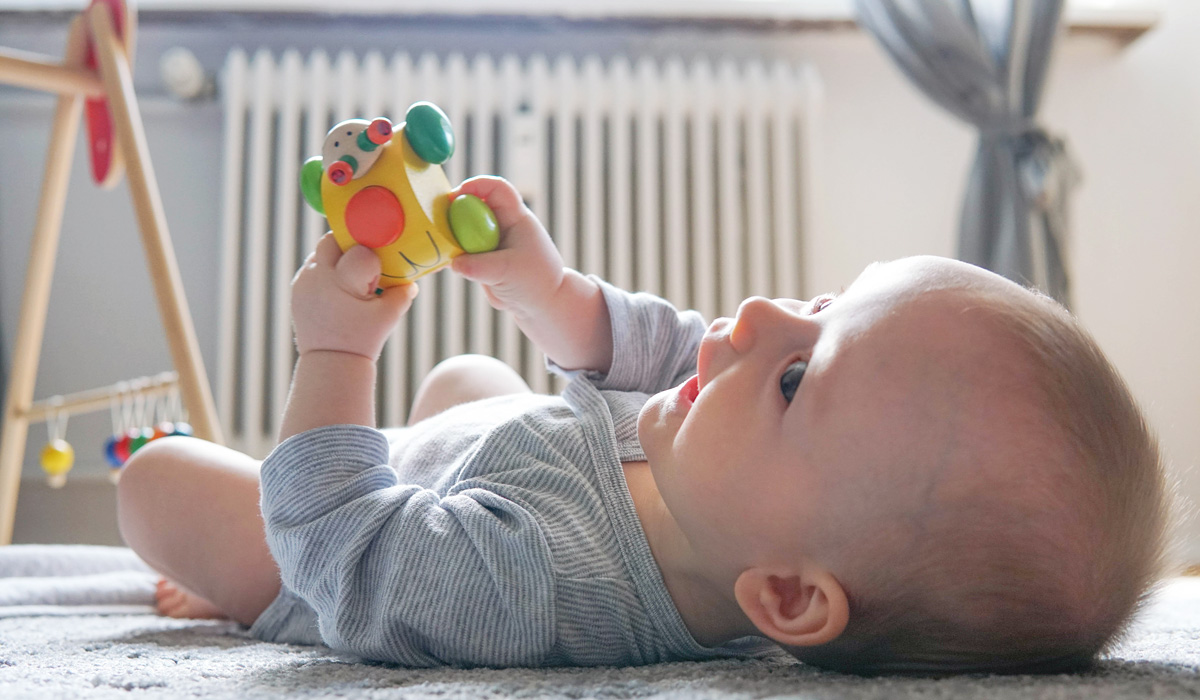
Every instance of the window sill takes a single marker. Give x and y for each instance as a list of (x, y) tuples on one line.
[(1122, 21)]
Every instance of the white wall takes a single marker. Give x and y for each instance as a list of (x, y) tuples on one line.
[(894, 168), (1135, 124)]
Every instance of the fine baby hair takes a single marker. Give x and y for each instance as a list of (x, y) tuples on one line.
[(391, 195)]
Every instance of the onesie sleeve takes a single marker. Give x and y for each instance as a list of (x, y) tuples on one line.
[(398, 573), (654, 344)]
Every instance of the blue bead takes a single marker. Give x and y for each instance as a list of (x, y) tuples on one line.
[(110, 454)]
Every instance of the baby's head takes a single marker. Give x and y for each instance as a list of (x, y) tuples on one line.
[(935, 471)]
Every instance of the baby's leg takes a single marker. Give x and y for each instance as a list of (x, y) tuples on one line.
[(461, 379), (189, 508)]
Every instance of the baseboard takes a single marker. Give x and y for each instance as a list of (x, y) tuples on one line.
[(82, 512)]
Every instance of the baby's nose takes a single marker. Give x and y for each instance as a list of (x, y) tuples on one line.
[(750, 315), (758, 315)]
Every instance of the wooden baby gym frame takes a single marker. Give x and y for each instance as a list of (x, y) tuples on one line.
[(95, 73)]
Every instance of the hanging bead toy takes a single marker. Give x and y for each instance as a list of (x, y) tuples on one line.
[(111, 452), (174, 422), (133, 413), (142, 410), (57, 456)]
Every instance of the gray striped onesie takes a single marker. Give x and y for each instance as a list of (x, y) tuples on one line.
[(497, 533)]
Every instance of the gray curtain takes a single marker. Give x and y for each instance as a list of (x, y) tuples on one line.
[(985, 61)]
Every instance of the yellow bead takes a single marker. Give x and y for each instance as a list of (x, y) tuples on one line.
[(58, 457)]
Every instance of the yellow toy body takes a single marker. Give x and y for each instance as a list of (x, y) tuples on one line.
[(426, 243), (386, 190)]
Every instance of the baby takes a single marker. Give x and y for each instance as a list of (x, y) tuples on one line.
[(934, 471)]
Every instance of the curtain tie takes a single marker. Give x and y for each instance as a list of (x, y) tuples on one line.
[(1046, 169), (1011, 127)]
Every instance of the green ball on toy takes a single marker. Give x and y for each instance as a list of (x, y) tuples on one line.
[(429, 132), (474, 224)]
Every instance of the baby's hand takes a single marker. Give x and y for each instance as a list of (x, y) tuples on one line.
[(337, 305), (526, 269)]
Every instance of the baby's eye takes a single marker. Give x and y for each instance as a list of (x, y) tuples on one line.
[(790, 381), (821, 302)]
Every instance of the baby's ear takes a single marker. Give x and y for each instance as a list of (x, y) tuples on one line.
[(803, 606)]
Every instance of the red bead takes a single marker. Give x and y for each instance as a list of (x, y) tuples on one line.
[(121, 448)]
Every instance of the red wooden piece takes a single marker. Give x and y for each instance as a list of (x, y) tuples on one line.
[(102, 142)]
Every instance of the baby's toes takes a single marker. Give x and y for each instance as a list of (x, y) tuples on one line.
[(173, 601)]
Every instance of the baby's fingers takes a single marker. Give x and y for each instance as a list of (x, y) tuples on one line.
[(357, 272), (485, 268), (327, 251), (500, 195)]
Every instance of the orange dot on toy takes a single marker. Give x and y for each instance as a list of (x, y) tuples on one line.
[(163, 429), (374, 217)]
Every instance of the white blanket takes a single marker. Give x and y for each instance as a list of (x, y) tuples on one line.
[(50, 650), (73, 580)]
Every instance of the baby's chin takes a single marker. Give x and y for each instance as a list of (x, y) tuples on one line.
[(651, 418)]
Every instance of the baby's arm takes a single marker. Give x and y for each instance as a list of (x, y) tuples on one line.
[(341, 325), (572, 318), (562, 312)]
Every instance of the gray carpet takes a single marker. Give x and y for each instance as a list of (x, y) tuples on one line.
[(118, 649)]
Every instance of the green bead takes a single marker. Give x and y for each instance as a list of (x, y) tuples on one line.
[(143, 436), (310, 183), (474, 224), (429, 133)]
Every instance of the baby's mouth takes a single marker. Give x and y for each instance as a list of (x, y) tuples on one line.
[(690, 389)]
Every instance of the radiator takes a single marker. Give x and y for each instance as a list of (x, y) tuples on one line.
[(682, 178)]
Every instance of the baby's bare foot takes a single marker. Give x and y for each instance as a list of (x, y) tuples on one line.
[(172, 600)]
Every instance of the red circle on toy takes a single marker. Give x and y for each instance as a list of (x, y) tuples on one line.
[(374, 217)]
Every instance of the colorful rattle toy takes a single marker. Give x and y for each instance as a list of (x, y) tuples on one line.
[(391, 194)]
